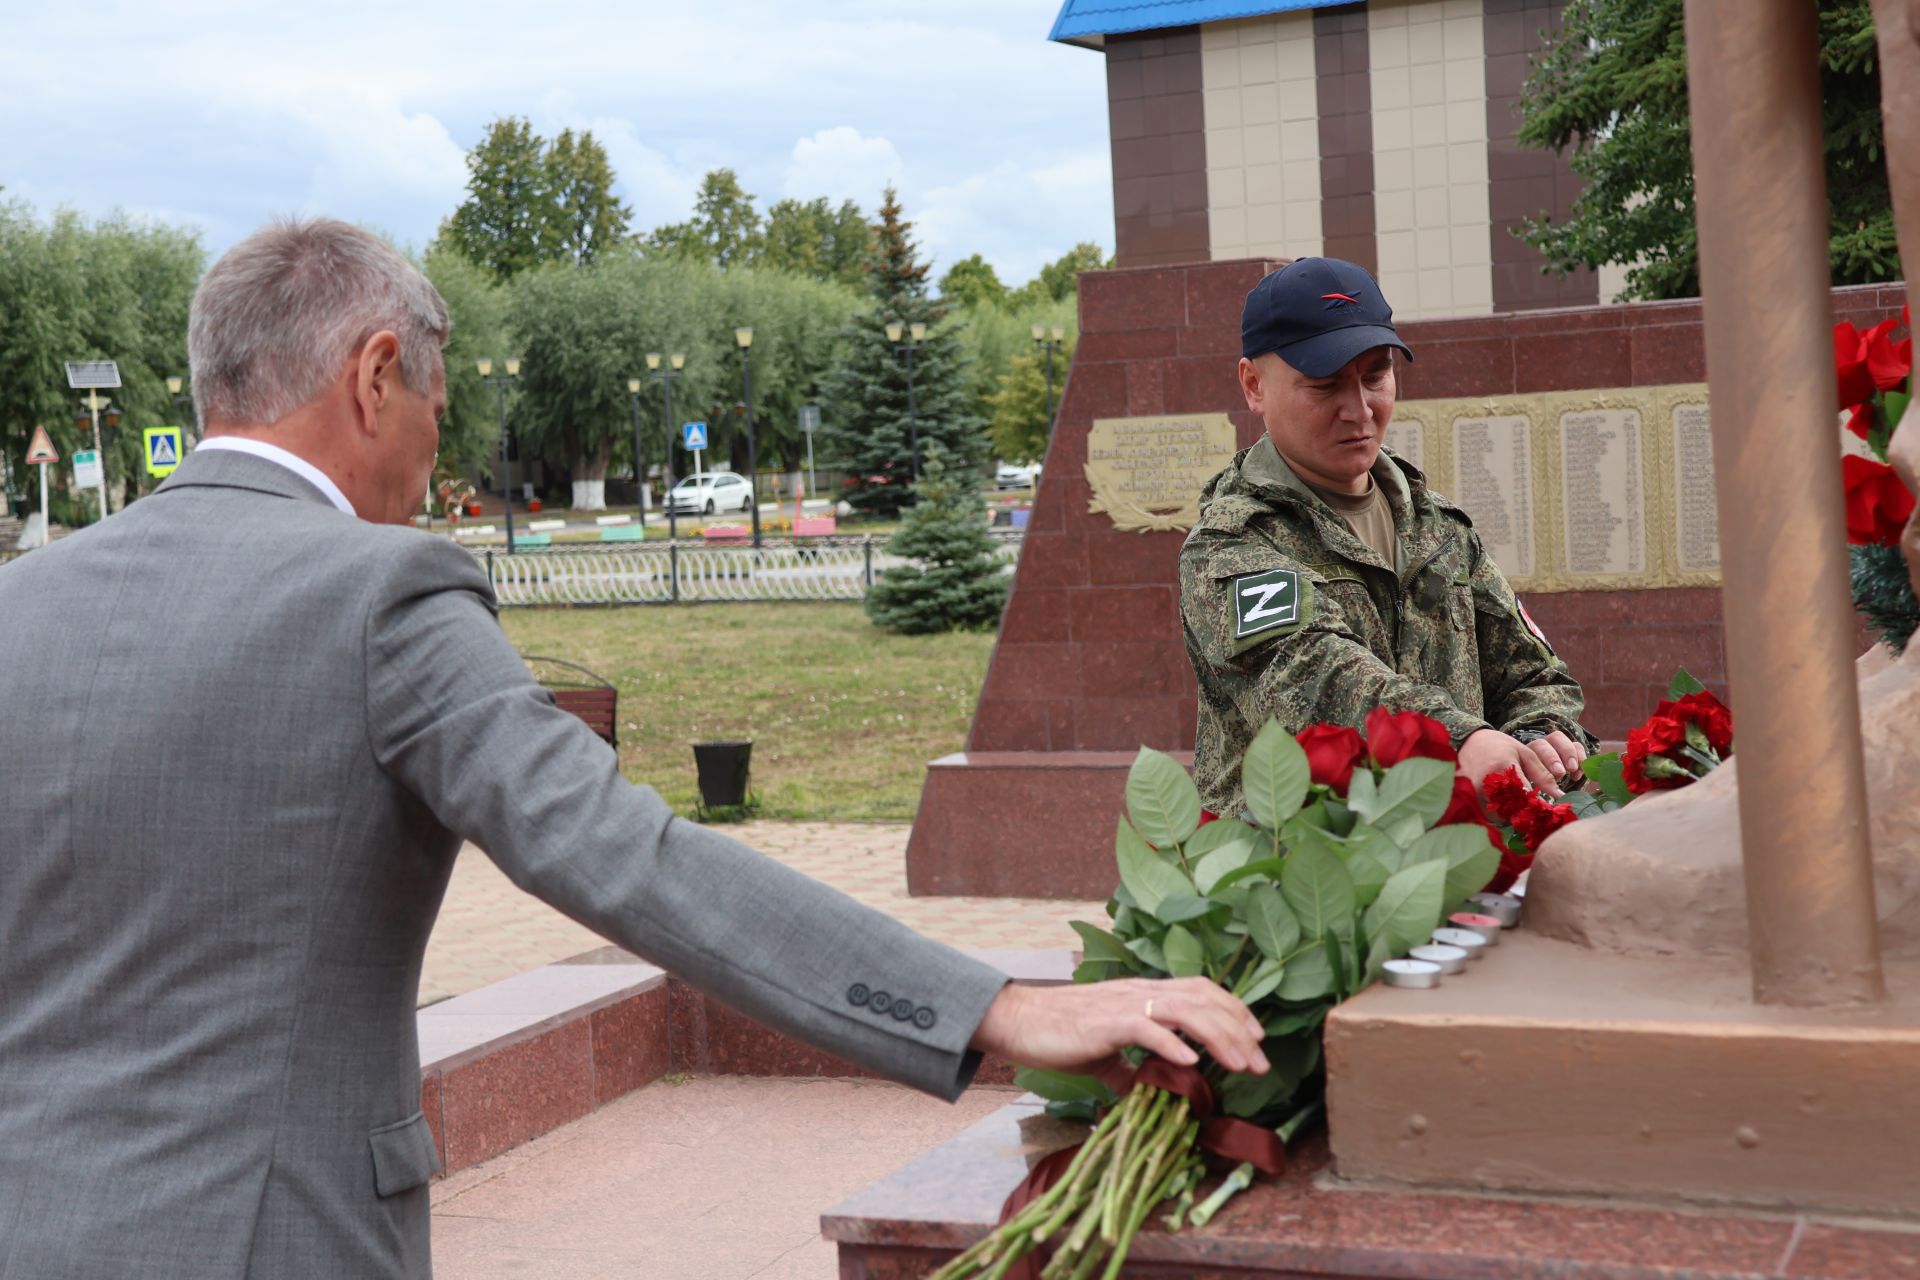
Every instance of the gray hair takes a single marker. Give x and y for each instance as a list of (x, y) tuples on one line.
[(275, 317)]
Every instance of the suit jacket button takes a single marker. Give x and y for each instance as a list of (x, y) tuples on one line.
[(880, 1002), (902, 1009), (857, 995), (924, 1017)]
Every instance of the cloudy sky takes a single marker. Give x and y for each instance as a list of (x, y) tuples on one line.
[(219, 114)]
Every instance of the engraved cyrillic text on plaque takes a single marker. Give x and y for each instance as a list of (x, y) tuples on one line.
[(1146, 473), (1408, 440), (1696, 511), (1602, 497), (1493, 483)]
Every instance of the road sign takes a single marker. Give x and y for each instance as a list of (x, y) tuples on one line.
[(163, 450), (87, 471), (693, 435), (809, 418), (41, 450)]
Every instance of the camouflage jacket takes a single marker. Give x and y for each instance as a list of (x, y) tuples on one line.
[(1288, 615)]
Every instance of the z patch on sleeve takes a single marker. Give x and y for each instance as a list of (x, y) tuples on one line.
[(1264, 602)]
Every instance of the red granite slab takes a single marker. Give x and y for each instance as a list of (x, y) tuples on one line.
[(430, 1107), (521, 1091), (1307, 1223), (630, 1044)]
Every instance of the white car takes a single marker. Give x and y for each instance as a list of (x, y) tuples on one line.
[(1011, 475), (709, 493)]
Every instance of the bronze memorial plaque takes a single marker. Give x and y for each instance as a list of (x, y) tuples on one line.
[(1146, 473)]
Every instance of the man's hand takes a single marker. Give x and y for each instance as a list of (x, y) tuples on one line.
[(1079, 1028), (1542, 763)]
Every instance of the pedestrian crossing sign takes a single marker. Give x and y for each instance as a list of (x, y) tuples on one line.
[(693, 435), (163, 450)]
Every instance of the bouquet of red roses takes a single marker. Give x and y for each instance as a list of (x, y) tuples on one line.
[(1874, 374)]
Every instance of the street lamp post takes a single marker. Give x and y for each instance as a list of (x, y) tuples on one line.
[(916, 334), (182, 400), (745, 338), (95, 403), (1049, 340), (499, 386), (676, 363)]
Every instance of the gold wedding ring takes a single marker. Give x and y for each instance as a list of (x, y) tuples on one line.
[(1149, 1011)]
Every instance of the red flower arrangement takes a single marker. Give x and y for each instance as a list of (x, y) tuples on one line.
[(1529, 815), (1682, 741), (1873, 375), (1877, 503)]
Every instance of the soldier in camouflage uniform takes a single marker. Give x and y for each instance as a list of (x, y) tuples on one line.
[(1325, 579)]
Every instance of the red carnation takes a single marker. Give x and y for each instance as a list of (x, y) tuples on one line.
[(1465, 807), (1512, 867), (1877, 503), (1531, 815), (1707, 711), (1404, 735), (1658, 735), (1888, 362), (1332, 752)]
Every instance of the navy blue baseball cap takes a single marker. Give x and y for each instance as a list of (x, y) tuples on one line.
[(1317, 314)]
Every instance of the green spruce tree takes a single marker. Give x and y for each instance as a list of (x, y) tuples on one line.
[(954, 582), (874, 415)]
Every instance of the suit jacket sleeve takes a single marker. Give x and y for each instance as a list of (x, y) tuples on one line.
[(454, 716)]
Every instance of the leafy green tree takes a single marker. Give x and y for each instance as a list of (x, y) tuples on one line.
[(972, 282), (811, 238), (996, 335), (531, 202), (1612, 88), (953, 582), (1060, 279), (114, 289), (725, 228), (873, 416), (585, 219), (1020, 426), (470, 433)]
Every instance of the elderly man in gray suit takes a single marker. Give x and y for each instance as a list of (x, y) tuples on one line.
[(249, 724)]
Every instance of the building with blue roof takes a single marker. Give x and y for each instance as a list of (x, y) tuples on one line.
[(1382, 132)]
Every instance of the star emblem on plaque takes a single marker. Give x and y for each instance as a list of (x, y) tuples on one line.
[(1146, 473)]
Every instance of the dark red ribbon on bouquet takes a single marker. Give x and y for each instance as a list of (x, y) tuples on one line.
[(1238, 1141)]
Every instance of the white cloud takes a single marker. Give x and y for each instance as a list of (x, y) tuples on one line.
[(842, 164)]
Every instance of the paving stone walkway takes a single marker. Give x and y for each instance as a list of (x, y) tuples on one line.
[(489, 930)]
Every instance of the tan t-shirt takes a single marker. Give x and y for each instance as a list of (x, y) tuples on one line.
[(1368, 514)]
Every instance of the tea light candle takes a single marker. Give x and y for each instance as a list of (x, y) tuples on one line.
[(1487, 927), (1412, 973), (1450, 959), (1502, 906), (1466, 939)]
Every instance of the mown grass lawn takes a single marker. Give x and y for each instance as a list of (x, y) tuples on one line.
[(844, 717)]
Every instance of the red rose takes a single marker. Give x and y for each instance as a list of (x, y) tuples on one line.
[(1888, 362), (1512, 865), (1860, 419), (1332, 752), (1852, 379), (1706, 711), (1877, 503), (1465, 807), (1394, 736)]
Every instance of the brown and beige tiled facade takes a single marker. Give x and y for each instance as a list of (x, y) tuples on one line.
[(1381, 132)]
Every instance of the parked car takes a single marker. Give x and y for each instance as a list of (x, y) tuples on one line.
[(1014, 475), (709, 493)]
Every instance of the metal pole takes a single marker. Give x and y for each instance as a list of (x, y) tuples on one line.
[(45, 518), (506, 463), (639, 468), (1050, 346), (673, 571), (913, 420), (93, 406), (1762, 212), (666, 401), (753, 458)]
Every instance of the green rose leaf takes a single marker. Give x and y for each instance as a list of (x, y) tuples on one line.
[(1184, 907), (1217, 863), (1275, 776), (1604, 771), (1098, 970), (1331, 947), (1149, 953), (1413, 790), (1377, 956), (1309, 976), (1362, 794), (1148, 877), (1218, 834), (1298, 832), (1369, 874), (1469, 856), (1683, 684), (1261, 981), (1161, 799), (1097, 944), (1270, 923), (1316, 885), (1247, 1096), (1058, 1086), (1409, 905), (1186, 958), (1285, 1024), (1268, 867)]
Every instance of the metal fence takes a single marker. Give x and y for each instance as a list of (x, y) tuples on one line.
[(690, 573)]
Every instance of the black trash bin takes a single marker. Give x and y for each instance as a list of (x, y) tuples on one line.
[(723, 773)]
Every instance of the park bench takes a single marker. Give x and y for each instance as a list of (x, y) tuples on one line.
[(579, 691)]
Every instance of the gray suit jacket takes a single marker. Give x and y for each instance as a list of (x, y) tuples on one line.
[(242, 736)]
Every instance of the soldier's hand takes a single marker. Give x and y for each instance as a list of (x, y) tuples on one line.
[(1561, 754), (1490, 751), (1081, 1027)]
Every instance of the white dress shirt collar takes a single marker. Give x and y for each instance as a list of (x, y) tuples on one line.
[(291, 461)]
